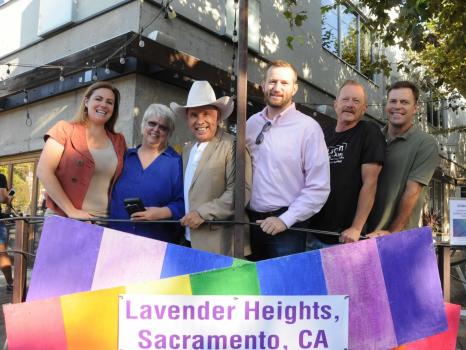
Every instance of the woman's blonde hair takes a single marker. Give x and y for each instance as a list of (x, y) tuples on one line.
[(82, 117)]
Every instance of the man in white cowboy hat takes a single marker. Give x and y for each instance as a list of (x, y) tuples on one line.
[(209, 170)]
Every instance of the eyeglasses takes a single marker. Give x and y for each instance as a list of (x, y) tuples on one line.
[(265, 128), (153, 125)]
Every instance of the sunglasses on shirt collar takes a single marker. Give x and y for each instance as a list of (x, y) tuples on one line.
[(265, 128)]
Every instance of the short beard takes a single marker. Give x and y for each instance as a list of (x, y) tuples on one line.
[(283, 103)]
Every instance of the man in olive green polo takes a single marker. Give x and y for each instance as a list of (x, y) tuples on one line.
[(410, 161)]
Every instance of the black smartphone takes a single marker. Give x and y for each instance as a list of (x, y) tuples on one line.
[(12, 192), (133, 205)]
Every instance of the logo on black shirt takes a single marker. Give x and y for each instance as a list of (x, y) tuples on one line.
[(337, 153)]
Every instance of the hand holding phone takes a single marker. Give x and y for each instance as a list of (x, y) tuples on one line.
[(12, 192), (133, 205)]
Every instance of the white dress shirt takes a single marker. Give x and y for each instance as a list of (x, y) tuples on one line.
[(193, 161)]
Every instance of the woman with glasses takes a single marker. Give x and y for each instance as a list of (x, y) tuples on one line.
[(82, 159), (153, 172)]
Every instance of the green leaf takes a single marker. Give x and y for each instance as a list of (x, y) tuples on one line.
[(299, 19), (288, 14), (289, 41)]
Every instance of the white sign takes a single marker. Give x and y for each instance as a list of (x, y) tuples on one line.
[(232, 322), (457, 221)]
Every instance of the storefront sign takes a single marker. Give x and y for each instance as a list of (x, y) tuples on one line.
[(457, 221)]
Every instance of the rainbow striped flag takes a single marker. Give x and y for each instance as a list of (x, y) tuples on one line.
[(392, 282)]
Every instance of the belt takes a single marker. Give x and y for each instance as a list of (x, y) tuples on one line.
[(260, 215)]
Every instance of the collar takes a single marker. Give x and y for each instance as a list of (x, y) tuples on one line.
[(281, 116), (169, 151), (403, 136)]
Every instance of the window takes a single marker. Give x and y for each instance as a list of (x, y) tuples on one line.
[(463, 191), (436, 195), (345, 35), (20, 173), (434, 111)]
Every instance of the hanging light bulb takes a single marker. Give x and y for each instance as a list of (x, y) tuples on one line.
[(141, 43), (94, 76), (122, 60), (107, 70), (170, 12), (8, 69), (28, 118), (62, 78)]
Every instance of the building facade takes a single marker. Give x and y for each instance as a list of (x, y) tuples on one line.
[(51, 50)]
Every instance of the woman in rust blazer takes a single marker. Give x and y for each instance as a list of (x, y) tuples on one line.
[(82, 159)]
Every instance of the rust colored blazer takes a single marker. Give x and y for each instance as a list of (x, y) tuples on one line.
[(76, 167)]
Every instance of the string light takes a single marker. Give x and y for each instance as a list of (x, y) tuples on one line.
[(28, 118), (234, 37), (169, 12), (234, 40), (121, 51), (26, 102), (107, 70)]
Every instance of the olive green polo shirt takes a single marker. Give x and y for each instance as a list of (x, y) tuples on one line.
[(410, 156)]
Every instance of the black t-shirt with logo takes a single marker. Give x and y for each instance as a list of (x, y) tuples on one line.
[(347, 150)]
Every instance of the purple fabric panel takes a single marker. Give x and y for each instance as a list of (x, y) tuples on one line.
[(413, 284), (126, 259), (354, 270), (66, 258)]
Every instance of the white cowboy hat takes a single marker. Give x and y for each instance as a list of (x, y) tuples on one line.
[(202, 94)]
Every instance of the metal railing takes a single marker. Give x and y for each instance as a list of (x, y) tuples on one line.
[(23, 252)]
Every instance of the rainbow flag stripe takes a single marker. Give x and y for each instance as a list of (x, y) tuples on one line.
[(83, 257)]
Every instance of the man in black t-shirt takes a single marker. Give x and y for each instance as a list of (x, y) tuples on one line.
[(356, 150), (5, 261)]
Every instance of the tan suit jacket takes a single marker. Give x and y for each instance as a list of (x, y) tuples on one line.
[(212, 193)]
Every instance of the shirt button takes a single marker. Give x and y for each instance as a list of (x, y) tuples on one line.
[(73, 179)]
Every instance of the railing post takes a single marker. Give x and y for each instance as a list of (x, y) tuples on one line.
[(242, 91), (20, 263), (443, 260)]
